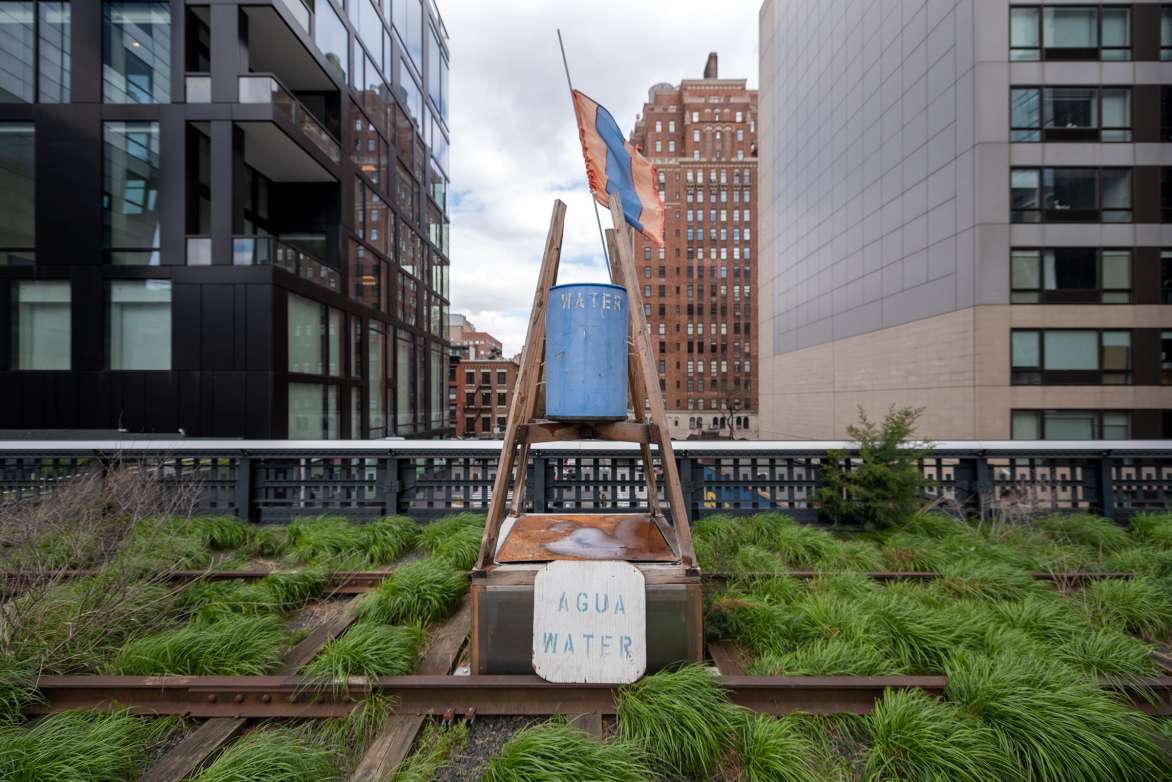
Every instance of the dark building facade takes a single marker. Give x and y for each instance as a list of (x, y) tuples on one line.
[(228, 219)]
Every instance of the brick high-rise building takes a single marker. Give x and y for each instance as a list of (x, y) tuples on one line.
[(698, 288)]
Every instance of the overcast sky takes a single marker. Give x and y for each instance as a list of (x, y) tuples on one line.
[(514, 143)]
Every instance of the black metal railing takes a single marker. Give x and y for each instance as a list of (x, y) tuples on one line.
[(273, 481)]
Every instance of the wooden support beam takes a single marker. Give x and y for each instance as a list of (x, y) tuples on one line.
[(391, 748), (639, 404), (190, 754), (645, 362), (525, 393), (559, 431)]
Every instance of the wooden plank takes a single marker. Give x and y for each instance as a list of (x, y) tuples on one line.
[(321, 635), (392, 746), (518, 504), (525, 396), (729, 659), (638, 394), (645, 361), (566, 431), (190, 754), (590, 722), (1164, 661)]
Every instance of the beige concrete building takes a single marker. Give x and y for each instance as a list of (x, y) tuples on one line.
[(965, 206)]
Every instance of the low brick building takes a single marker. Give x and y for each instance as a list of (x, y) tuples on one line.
[(479, 394)]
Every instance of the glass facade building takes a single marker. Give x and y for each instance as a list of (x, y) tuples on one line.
[(228, 218)]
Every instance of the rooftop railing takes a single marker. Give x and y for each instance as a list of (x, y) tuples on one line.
[(271, 250), (266, 88), (274, 481)]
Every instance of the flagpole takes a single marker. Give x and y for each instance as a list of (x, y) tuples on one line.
[(593, 200)]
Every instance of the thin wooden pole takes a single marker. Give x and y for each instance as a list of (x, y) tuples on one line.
[(593, 200)]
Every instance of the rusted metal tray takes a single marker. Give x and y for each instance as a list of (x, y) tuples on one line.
[(542, 537)]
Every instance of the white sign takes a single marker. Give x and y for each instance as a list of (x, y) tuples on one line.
[(589, 622)]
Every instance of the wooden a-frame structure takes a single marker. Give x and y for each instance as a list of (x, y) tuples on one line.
[(515, 536)]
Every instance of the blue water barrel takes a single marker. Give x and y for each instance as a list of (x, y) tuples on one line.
[(586, 352)]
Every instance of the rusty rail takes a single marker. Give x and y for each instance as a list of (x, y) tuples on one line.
[(342, 582), (354, 582), (296, 697)]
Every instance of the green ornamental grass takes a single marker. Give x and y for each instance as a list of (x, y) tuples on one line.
[(985, 580), (433, 753), (312, 538), (555, 751), (17, 690), (1105, 651), (421, 591), (390, 537), (1139, 605), (681, 718), (81, 747), (917, 738), (775, 750), (1083, 529), (1057, 724), (369, 650), (1153, 528), (272, 755), (434, 533), (828, 657), (461, 548), (231, 646), (1142, 561)]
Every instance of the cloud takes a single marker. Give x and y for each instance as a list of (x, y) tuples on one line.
[(514, 143)]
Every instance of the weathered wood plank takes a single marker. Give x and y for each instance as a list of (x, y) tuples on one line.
[(321, 635), (525, 396), (645, 359), (391, 747), (729, 659), (591, 723), (190, 754)]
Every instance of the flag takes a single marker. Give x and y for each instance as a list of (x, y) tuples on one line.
[(614, 166)]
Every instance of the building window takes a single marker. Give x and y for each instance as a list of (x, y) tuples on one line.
[(1166, 33), (17, 193), (376, 351), (1071, 425), (1070, 195), (313, 412), (1166, 357), (1070, 275), (1166, 276), (41, 325), (1082, 32), (39, 31), (1070, 357), (138, 324), (502, 377), (315, 337), (130, 200), (1070, 114), (136, 52)]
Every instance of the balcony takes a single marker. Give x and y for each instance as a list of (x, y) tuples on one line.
[(266, 89), (272, 251)]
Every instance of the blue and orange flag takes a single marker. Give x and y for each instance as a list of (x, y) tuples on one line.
[(614, 166)]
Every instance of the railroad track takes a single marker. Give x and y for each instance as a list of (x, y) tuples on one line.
[(297, 697), (354, 582)]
